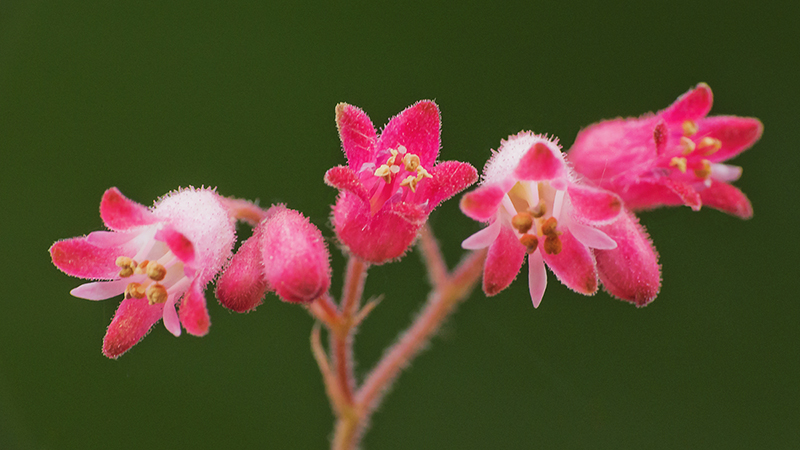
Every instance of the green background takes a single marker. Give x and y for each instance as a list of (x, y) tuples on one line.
[(241, 96)]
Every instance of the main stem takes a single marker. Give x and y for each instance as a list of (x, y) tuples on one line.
[(449, 290)]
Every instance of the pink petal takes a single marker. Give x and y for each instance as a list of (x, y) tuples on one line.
[(100, 290), (418, 129), (242, 286), (449, 178), (171, 321), (736, 134), (482, 238), (541, 162), (193, 311), (591, 236), (687, 194), (343, 178), (727, 198), (380, 238), (693, 105), (134, 318), (78, 258), (661, 136), (357, 134), (537, 277), (593, 205), (481, 204), (120, 213), (296, 259), (503, 262), (573, 265), (629, 272), (178, 244)]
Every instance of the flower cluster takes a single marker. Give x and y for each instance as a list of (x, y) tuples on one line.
[(571, 212)]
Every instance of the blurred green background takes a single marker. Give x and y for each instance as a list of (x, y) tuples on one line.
[(241, 96)]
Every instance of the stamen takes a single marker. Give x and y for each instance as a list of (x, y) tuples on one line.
[(127, 266), (156, 271), (689, 128), (134, 290), (411, 182), (709, 145), (705, 170), (411, 162), (384, 172), (530, 241), (687, 144), (552, 245), (156, 293), (549, 227), (141, 268), (540, 209), (390, 161), (522, 222), (678, 162)]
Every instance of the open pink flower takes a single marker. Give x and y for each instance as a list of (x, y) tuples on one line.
[(674, 157), (534, 206), (286, 254), (156, 257), (391, 182)]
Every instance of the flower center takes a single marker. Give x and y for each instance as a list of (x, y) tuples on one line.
[(154, 279), (400, 161), (535, 208)]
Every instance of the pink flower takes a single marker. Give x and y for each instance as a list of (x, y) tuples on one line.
[(391, 182), (534, 206), (156, 257), (286, 254), (670, 158)]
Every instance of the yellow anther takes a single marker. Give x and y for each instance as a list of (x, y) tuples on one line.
[(530, 241), (410, 181), (142, 267), (411, 162), (156, 271), (704, 170), (549, 227), (126, 265), (156, 293), (384, 172), (708, 145), (421, 172), (539, 210), (689, 128), (522, 222), (678, 162), (552, 245), (134, 290), (687, 144)]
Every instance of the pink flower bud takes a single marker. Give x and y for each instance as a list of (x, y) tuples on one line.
[(286, 255), (296, 259)]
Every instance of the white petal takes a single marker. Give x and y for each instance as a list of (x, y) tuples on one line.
[(171, 321), (106, 239), (537, 277), (100, 290), (591, 237), (482, 238), (726, 173)]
